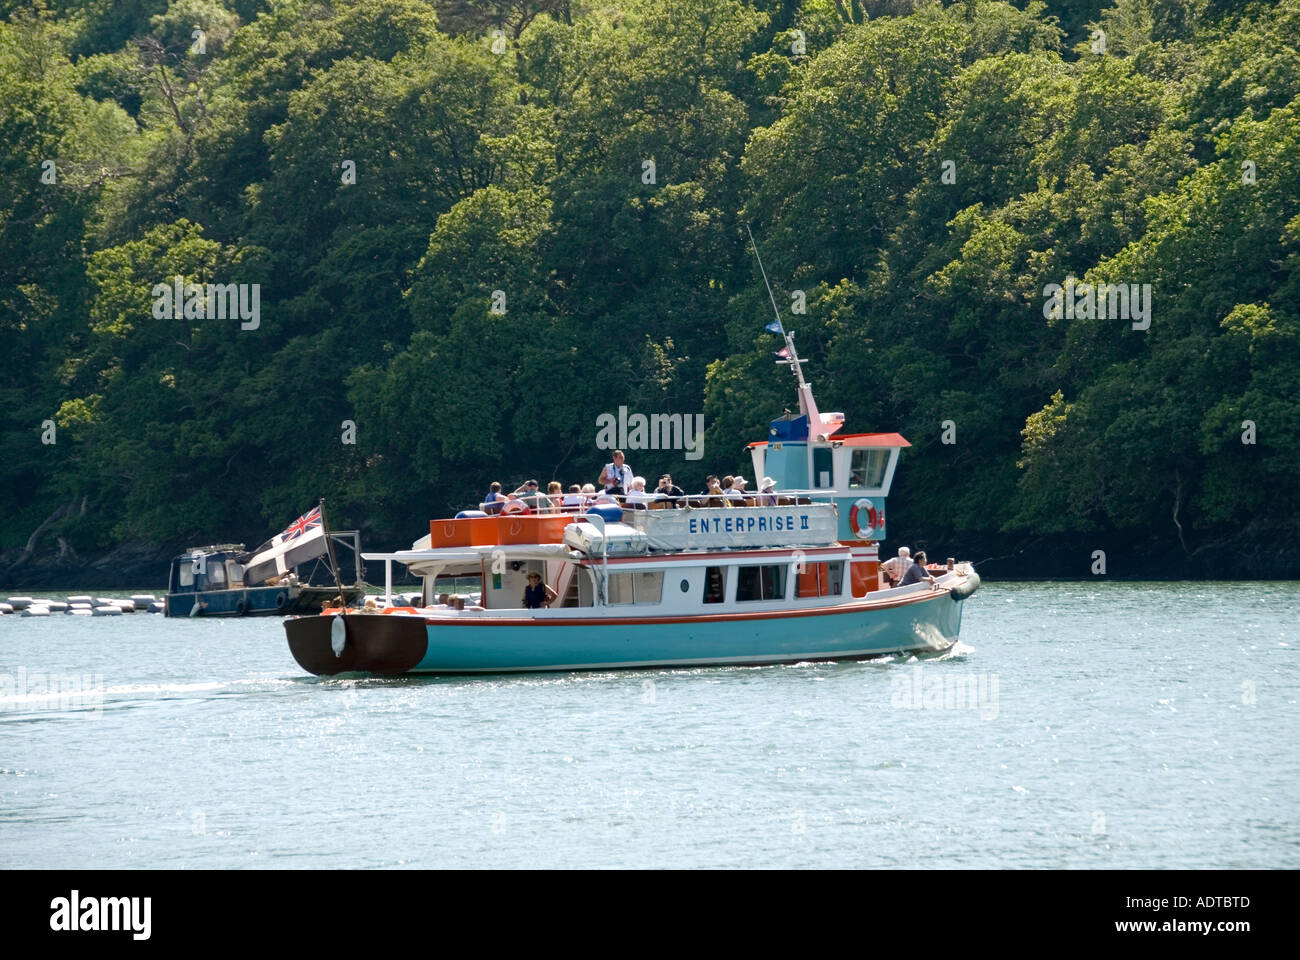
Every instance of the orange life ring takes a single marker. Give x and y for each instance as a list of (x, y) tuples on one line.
[(864, 510), (517, 507)]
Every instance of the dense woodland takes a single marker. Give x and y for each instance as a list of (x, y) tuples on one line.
[(920, 170)]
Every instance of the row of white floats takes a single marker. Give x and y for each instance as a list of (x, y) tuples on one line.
[(82, 606)]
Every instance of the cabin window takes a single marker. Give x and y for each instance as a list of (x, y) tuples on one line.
[(819, 579), (867, 468), (217, 574), (766, 582), (822, 467), (235, 572), (649, 586), (715, 584), (643, 587), (186, 573)]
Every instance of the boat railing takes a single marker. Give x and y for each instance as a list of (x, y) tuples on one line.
[(556, 504)]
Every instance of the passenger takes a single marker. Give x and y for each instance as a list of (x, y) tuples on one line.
[(738, 486), (616, 476), (588, 495), (637, 498), (537, 594), (668, 491), (371, 606), (573, 499), (717, 496), (917, 572), (897, 566), (444, 599), (767, 492), (528, 494), (731, 493), (495, 499), (553, 502)]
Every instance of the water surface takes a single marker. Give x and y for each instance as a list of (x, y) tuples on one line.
[(1077, 725)]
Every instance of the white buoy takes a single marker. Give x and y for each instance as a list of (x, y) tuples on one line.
[(156, 607), (36, 610), (107, 610), (20, 603), (6, 608), (128, 606), (81, 612), (57, 606), (81, 598), (143, 599)]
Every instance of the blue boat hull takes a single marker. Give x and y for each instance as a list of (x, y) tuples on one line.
[(409, 643), (255, 601)]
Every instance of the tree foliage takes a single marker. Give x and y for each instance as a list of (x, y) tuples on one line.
[(477, 226)]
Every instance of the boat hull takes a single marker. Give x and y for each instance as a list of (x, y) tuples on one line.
[(399, 643), (276, 601)]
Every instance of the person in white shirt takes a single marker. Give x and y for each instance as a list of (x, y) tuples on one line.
[(637, 498), (767, 492), (616, 477), (731, 493), (895, 567)]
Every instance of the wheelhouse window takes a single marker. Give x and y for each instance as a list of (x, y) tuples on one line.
[(186, 573), (235, 571), (867, 468), (766, 582), (822, 475), (217, 574)]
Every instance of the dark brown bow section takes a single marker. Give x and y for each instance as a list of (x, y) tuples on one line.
[(375, 644)]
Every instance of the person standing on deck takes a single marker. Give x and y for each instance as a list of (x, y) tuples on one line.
[(617, 476), (537, 594)]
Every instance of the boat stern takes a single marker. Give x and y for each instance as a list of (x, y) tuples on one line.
[(327, 645)]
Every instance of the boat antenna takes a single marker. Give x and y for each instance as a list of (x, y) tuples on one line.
[(806, 403)]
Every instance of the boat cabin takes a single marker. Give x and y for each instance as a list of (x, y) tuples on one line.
[(214, 567)]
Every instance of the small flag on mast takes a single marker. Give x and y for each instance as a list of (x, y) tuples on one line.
[(784, 353), (774, 327)]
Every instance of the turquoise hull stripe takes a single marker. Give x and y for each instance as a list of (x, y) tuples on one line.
[(469, 648)]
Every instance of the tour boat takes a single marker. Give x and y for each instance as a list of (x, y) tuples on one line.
[(680, 584)]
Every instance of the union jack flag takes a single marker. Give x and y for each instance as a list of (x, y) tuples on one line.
[(308, 521)]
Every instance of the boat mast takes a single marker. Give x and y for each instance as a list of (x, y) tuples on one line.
[(807, 405)]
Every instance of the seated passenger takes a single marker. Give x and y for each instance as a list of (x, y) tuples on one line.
[(767, 492), (917, 572), (588, 495), (717, 495), (637, 498), (495, 499), (668, 491), (895, 567), (738, 488), (527, 492), (553, 502), (731, 493), (573, 499)]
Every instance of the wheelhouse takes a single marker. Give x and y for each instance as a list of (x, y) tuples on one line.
[(215, 567)]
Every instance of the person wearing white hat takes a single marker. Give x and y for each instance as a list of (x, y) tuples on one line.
[(766, 492)]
